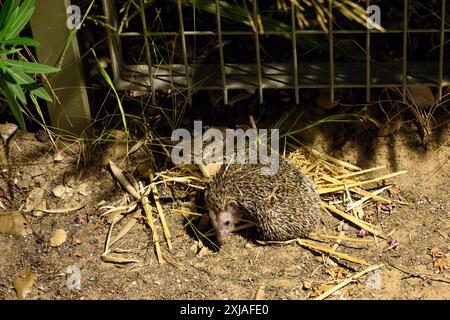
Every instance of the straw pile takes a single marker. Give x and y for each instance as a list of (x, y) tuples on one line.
[(346, 193)]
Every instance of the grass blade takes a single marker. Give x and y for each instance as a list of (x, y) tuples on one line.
[(13, 104), (29, 67)]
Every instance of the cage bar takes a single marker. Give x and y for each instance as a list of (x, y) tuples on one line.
[(221, 55), (294, 53), (278, 33), (183, 48), (405, 50), (441, 51), (258, 76), (331, 48), (147, 51), (257, 50), (368, 66)]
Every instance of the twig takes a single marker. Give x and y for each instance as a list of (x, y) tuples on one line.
[(347, 281), (162, 217), (420, 275)]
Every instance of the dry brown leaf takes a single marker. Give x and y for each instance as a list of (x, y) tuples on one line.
[(137, 146), (126, 228), (59, 157), (14, 223), (23, 283), (62, 192), (83, 189), (34, 199), (116, 259), (118, 174), (58, 237), (40, 209), (25, 182), (115, 217)]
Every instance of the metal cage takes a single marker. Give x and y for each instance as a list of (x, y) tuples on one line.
[(259, 75)]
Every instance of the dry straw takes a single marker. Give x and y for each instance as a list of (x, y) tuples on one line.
[(340, 185)]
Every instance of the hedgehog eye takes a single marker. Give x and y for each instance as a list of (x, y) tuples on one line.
[(227, 223)]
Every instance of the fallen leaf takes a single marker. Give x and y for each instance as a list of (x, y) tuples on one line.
[(115, 259), (62, 192), (83, 189), (118, 174), (25, 182), (34, 199), (58, 237), (58, 157), (14, 223), (40, 209), (23, 283)]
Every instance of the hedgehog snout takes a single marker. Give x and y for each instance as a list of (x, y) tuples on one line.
[(225, 226)]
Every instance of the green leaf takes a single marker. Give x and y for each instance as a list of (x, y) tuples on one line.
[(13, 104), (3, 67), (30, 85), (18, 19), (23, 41), (17, 91), (41, 93), (8, 7), (29, 67), (113, 88), (14, 86), (5, 32)]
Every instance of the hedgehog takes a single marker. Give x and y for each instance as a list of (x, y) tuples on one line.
[(283, 206)]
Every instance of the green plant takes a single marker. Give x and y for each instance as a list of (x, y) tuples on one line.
[(16, 74)]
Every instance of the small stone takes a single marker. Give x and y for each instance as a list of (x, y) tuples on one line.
[(307, 285), (41, 136)]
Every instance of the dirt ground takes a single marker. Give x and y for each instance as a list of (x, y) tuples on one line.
[(418, 268)]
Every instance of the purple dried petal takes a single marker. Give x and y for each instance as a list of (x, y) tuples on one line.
[(388, 207), (362, 233), (393, 243)]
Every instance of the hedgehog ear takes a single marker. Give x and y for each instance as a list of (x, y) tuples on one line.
[(232, 205)]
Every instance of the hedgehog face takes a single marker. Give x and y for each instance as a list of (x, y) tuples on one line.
[(225, 220)]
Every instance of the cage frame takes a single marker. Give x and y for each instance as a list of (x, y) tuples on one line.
[(263, 76)]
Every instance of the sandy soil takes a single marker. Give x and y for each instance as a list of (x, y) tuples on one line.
[(416, 269)]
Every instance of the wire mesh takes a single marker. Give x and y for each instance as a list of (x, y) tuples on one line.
[(258, 74)]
